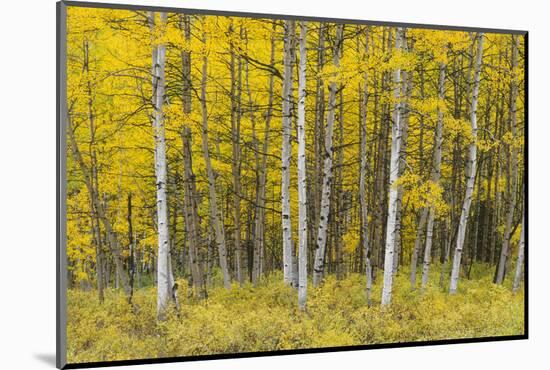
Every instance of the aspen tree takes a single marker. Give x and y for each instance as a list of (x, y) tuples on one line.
[(164, 288), (519, 263), (397, 126), (436, 174), (470, 171), (363, 175), (513, 162), (215, 210), (93, 173), (192, 222), (417, 245), (259, 224), (319, 263), (235, 96), (302, 196), (190, 204), (288, 101)]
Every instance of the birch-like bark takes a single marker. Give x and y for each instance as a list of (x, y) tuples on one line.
[(394, 172), (315, 182), (164, 289), (470, 170), (319, 262), (302, 196), (436, 174), (513, 180), (406, 92), (215, 211), (391, 228), (363, 178), (288, 60), (519, 265)]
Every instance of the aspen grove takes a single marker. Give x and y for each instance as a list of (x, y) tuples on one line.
[(240, 184)]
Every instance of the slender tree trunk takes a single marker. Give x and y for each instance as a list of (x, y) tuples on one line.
[(132, 245), (391, 228), (302, 196), (215, 212), (93, 175), (417, 245), (192, 222), (99, 254), (436, 174), (471, 172), (319, 262), (164, 288), (289, 51), (139, 268), (519, 264), (235, 92), (513, 179), (318, 134), (363, 177), (338, 216), (406, 92), (190, 203), (259, 222), (445, 254), (475, 227), (498, 169)]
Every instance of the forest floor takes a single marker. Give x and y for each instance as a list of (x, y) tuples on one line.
[(266, 318)]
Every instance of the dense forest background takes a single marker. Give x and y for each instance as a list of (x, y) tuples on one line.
[(213, 155)]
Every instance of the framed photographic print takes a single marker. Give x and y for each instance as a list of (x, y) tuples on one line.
[(234, 184)]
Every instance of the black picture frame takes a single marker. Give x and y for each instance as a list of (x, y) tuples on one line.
[(61, 125)]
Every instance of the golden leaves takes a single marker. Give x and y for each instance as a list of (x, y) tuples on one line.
[(419, 194), (454, 128)]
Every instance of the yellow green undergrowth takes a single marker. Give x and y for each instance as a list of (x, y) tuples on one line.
[(266, 318)]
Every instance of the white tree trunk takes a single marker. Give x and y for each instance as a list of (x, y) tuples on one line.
[(164, 283), (406, 83), (319, 262), (288, 256), (436, 174), (394, 172), (302, 196), (471, 172), (519, 265), (215, 212)]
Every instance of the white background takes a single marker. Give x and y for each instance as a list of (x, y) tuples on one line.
[(27, 182)]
